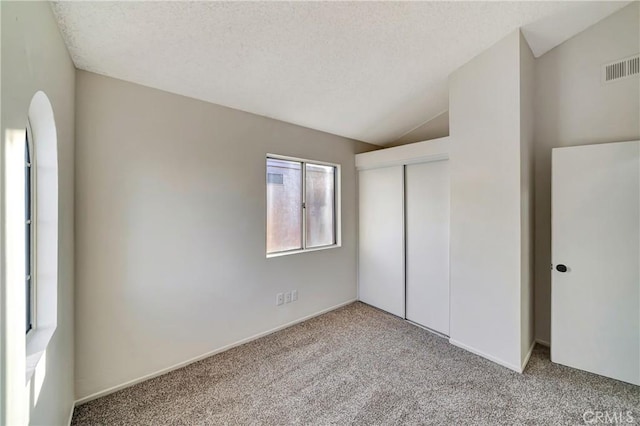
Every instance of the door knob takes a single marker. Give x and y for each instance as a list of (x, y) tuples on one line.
[(561, 268)]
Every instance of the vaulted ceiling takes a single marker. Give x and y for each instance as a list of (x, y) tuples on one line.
[(370, 71)]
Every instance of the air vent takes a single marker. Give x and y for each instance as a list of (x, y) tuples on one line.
[(618, 70)]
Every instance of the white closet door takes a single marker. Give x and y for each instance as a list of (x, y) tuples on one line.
[(427, 233), (381, 239)]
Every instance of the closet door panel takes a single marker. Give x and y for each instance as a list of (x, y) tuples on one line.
[(427, 234), (381, 239)]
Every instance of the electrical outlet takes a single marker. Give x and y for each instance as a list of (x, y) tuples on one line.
[(287, 297), (279, 299), (294, 295)]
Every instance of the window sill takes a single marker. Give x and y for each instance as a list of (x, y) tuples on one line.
[(37, 342), (286, 253)]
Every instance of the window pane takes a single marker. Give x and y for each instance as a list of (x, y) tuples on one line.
[(27, 234), (320, 205), (284, 205)]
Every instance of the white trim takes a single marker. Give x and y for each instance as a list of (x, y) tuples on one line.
[(404, 241), (302, 160), (526, 358), (543, 343), (506, 364), (36, 345), (405, 161), (303, 187), (419, 152), (357, 201), (208, 354), (73, 407), (288, 252), (33, 202)]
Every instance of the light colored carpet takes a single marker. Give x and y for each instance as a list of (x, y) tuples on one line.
[(358, 365)]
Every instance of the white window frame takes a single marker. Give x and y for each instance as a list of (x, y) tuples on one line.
[(23, 368), (337, 205), (44, 143), (33, 309)]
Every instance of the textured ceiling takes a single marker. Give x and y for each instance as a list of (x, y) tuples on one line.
[(366, 70)]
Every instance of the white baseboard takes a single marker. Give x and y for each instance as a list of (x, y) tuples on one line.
[(510, 366), (73, 406), (206, 355), (543, 343), (526, 358)]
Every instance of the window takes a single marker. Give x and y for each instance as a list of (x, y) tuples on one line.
[(29, 231), (302, 205), (30, 199)]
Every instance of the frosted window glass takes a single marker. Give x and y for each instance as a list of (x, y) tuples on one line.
[(320, 205), (284, 205)]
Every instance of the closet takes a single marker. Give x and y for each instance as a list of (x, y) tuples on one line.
[(403, 241), (381, 268)]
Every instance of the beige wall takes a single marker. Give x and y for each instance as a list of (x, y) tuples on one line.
[(527, 123), (437, 127), (34, 58), (574, 108), (170, 230), (486, 203)]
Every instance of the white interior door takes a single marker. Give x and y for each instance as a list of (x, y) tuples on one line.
[(595, 309), (381, 239), (427, 244)]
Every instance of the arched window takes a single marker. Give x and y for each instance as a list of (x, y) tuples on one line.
[(29, 255), (41, 246)]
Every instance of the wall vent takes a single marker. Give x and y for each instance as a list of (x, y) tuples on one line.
[(621, 69)]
